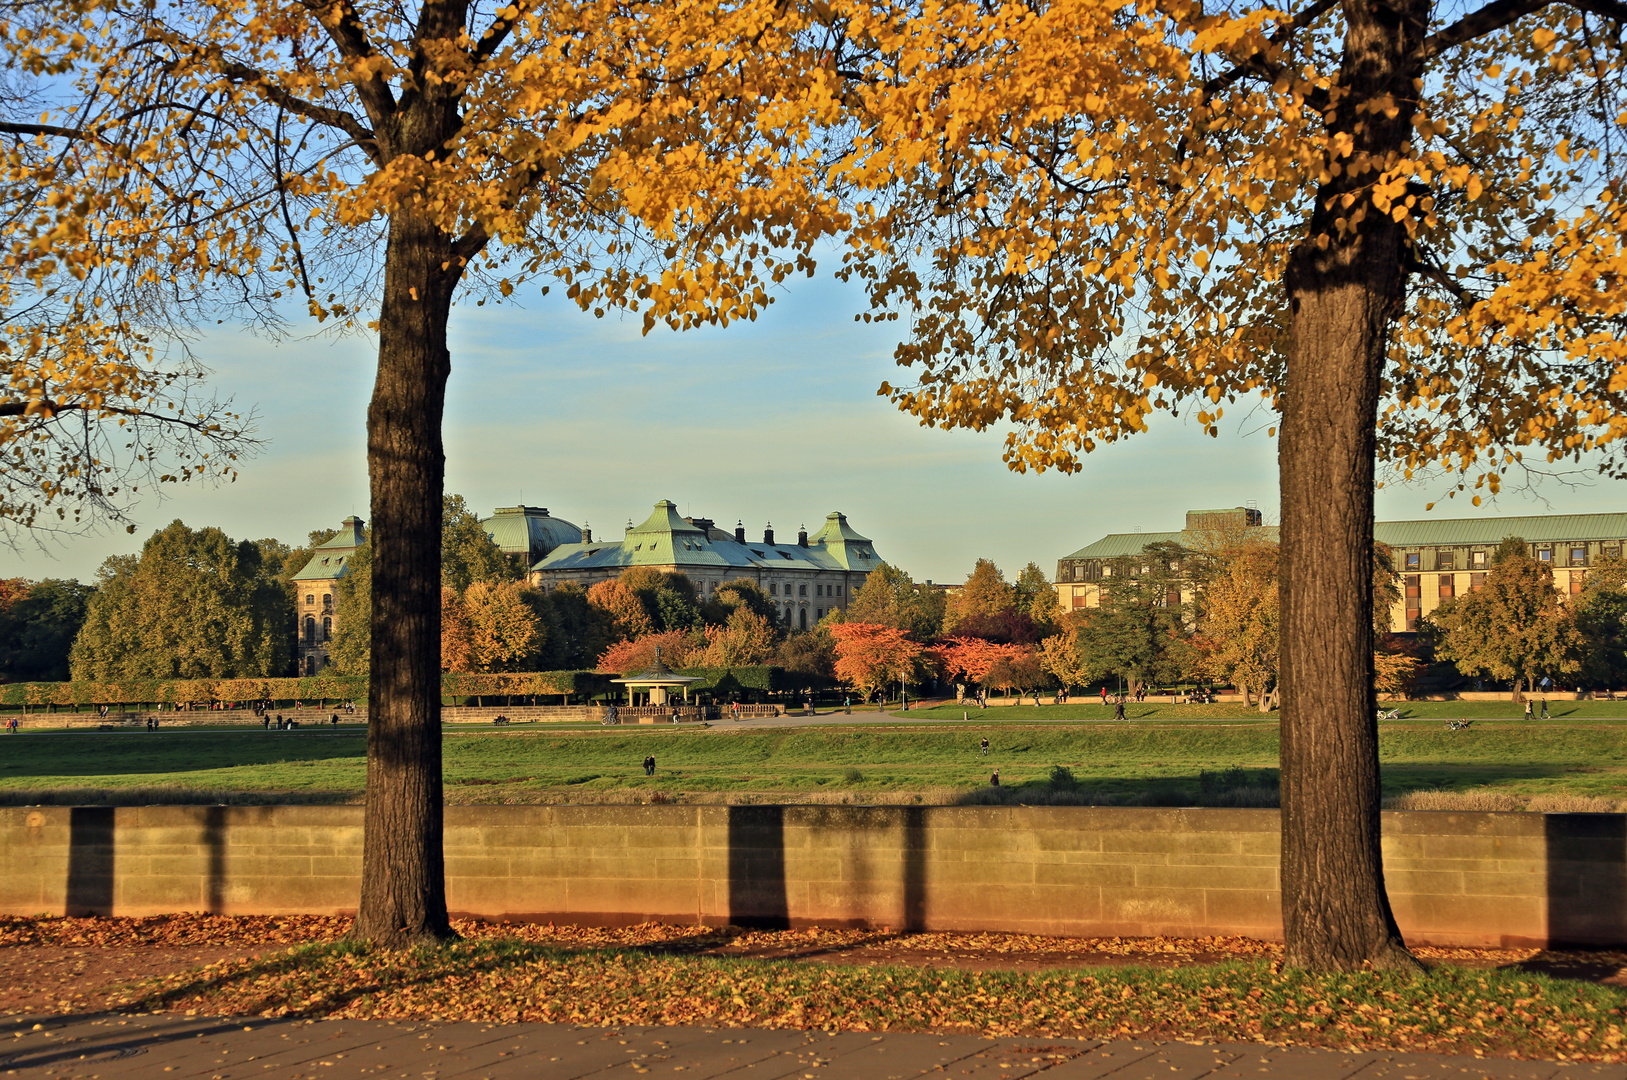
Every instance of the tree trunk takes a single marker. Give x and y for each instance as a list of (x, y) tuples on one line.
[(1342, 300), (403, 895)]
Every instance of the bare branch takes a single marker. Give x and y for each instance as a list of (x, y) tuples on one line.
[(334, 118), (1489, 19)]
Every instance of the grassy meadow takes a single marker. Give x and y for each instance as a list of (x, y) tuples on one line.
[(1148, 760)]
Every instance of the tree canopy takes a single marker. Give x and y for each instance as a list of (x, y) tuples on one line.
[(194, 605), (38, 623), (1514, 627)]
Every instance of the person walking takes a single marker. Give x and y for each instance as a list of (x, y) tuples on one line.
[(1104, 694), (985, 745), (1118, 708), (1528, 708), (1545, 708), (675, 714), (649, 763)]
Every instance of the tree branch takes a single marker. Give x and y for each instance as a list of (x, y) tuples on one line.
[(348, 33), (46, 409), (1493, 17), (334, 118), (496, 34), (1257, 64), (45, 129)]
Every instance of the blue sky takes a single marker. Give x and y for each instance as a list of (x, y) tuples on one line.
[(776, 420)]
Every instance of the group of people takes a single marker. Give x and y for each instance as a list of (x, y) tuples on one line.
[(649, 765)]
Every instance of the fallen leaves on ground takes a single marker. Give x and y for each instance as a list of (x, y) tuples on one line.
[(1218, 988), (1450, 1010)]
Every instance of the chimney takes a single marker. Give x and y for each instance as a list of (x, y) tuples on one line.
[(768, 534), (587, 535), (739, 532), (802, 536)]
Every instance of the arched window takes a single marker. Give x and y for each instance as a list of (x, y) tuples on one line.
[(802, 616), (802, 590), (310, 631), (310, 665), (327, 629), (309, 599), (327, 600)]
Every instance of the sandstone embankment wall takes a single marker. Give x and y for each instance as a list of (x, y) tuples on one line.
[(1486, 879)]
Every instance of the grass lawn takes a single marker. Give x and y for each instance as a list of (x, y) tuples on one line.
[(1165, 761)]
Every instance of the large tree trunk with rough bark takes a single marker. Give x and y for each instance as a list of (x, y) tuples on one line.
[(1343, 298), (403, 895)]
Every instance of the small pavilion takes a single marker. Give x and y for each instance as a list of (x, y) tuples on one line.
[(656, 680)]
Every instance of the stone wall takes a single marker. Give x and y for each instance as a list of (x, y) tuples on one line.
[(1454, 878)]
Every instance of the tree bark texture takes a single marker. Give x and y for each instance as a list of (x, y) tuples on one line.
[(403, 871), (1343, 299)]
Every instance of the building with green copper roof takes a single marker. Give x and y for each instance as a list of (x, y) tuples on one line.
[(315, 587), (1436, 559), (805, 580), (528, 533)]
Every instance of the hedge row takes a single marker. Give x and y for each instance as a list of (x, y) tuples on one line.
[(314, 688)]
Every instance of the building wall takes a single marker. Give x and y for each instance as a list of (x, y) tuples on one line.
[(800, 595), (1475, 879), (317, 603)]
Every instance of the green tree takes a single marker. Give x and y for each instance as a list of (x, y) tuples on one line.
[(890, 597), (574, 637), (734, 594), (194, 605), (1515, 627), (1036, 598), (37, 630), (468, 553), (1239, 641), (351, 652), (1139, 632), (1601, 619)]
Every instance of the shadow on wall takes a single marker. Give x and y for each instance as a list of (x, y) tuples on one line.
[(1587, 879), (757, 867), (90, 861), (757, 876)]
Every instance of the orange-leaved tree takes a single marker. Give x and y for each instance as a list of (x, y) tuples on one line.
[(1398, 225), (869, 656), (371, 164)]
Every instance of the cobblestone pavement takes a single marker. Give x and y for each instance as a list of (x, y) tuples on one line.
[(158, 1047)]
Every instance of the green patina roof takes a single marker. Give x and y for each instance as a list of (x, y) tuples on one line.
[(667, 539), (528, 531), (1443, 532), (328, 561)]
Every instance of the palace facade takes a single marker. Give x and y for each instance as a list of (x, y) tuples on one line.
[(316, 588), (1435, 560), (805, 580)]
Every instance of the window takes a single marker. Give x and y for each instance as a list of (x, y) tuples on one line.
[(310, 599), (1578, 556), (819, 613), (802, 617), (327, 600), (838, 590), (773, 589), (819, 590), (327, 629), (1545, 555), (1445, 586), (1443, 559), (1578, 577), (1172, 598), (1612, 550), (1476, 582), (310, 630), (1107, 571), (1413, 560), (802, 590), (1477, 559), (1412, 588)]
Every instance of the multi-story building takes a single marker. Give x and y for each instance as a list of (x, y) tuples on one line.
[(805, 580), (527, 533), (1435, 560), (316, 590)]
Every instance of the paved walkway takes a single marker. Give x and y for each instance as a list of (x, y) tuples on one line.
[(117, 1047)]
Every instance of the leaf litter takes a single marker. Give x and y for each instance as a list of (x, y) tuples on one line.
[(1504, 1002)]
